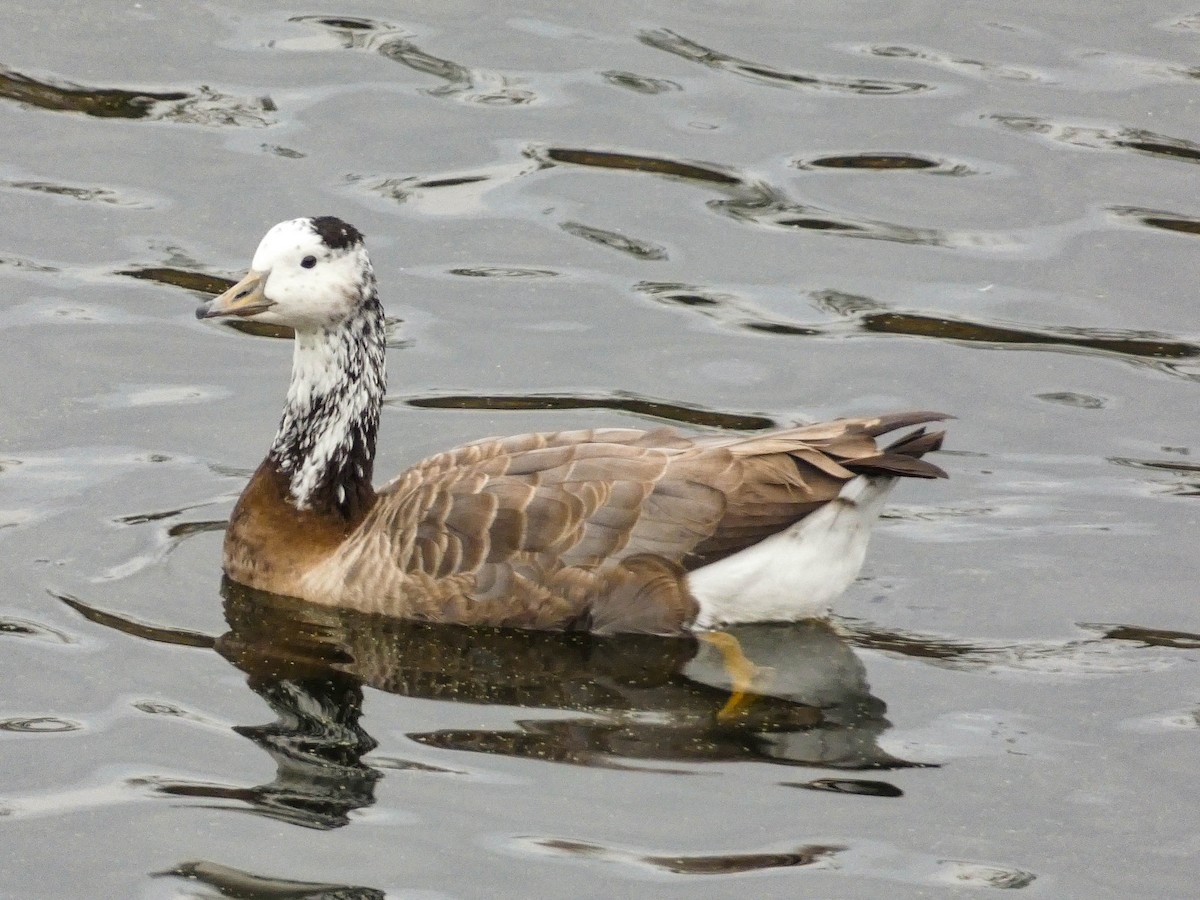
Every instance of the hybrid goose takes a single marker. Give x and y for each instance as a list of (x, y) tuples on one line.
[(610, 529)]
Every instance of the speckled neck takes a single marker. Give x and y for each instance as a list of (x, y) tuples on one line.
[(325, 445)]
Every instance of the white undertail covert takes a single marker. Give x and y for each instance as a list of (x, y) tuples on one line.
[(796, 573)]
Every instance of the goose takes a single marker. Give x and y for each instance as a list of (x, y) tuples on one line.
[(604, 529)]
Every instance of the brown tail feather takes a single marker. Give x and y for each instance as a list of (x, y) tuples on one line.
[(917, 443), (903, 457), (892, 421)]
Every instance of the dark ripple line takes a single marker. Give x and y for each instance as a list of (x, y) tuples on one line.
[(614, 240), (755, 202), (957, 63), (28, 265), (39, 725), (634, 162), (502, 272), (180, 278), (641, 406), (1163, 465), (157, 633), (1114, 138), (24, 628), (107, 103), (758, 202), (677, 45), (1132, 343), (871, 161), (1186, 484), (642, 84), (861, 786), (231, 882), (706, 864), (202, 107), (1147, 637), (86, 194), (960, 872), (393, 43), (1160, 219), (870, 315), (462, 82), (885, 161)]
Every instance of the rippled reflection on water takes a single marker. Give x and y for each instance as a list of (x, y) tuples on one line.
[(711, 217), (647, 702)]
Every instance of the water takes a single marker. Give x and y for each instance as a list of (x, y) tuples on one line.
[(715, 214)]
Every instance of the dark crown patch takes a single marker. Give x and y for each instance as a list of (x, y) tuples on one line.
[(336, 234)]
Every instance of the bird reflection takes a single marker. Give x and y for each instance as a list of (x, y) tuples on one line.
[(317, 745), (647, 703)]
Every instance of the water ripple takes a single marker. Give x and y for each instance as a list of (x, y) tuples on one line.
[(614, 240), (1073, 399), (463, 83), (502, 272), (634, 162), (710, 864), (867, 315), (642, 84), (165, 543), (866, 859), (202, 106), (458, 193), (1186, 481), (1113, 137), (81, 193), (639, 406), (39, 725), (1189, 24), (861, 786), (129, 396), (747, 200), (231, 882), (960, 65), (764, 204), (28, 265), (1163, 220), (1109, 650), (11, 626), (1146, 637), (886, 161), (670, 42)]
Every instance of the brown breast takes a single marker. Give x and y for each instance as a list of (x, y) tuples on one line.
[(270, 544)]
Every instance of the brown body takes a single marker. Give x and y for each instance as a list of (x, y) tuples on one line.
[(585, 529)]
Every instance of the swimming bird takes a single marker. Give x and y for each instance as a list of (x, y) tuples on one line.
[(606, 529)]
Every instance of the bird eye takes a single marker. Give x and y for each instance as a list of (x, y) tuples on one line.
[(308, 262)]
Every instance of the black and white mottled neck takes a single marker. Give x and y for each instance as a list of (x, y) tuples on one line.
[(325, 445)]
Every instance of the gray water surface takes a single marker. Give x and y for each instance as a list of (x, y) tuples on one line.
[(719, 215)]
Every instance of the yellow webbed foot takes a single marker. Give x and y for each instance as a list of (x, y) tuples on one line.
[(744, 675)]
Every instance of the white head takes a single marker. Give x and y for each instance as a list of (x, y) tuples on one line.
[(311, 274)]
